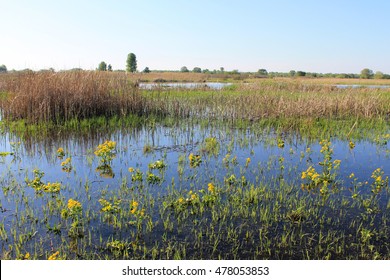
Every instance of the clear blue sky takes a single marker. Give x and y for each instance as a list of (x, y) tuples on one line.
[(316, 36)]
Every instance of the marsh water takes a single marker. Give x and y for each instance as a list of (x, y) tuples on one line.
[(207, 85), (137, 148)]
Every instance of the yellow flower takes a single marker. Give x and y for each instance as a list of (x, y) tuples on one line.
[(134, 206), (107, 208), (180, 200), (280, 143), (27, 256), (337, 162), (351, 145), (73, 204), (131, 169), (211, 187), (304, 174), (52, 187), (54, 256), (66, 162), (378, 179), (352, 175)]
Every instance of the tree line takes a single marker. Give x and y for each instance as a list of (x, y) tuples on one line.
[(131, 67)]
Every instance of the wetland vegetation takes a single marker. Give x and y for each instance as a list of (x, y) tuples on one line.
[(94, 167)]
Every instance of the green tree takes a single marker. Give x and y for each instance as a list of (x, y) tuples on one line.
[(184, 69), (300, 74), (292, 73), (262, 72), (102, 66), (3, 69), (146, 70), (109, 67), (379, 75), (197, 70), (131, 63), (366, 73)]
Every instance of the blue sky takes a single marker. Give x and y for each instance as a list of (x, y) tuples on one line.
[(339, 36)]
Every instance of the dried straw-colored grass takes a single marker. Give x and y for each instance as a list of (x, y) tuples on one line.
[(58, 97)]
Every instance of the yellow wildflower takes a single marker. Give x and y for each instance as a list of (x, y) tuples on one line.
[(131, 169), (66, 162), (211, 187), (60, 152), (315, 175), (73, 204), (54, 256), (352, 175), (52, 187), (134, 206)]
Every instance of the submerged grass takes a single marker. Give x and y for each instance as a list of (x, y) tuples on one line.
[(241, 214)]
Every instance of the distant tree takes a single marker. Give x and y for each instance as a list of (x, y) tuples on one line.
[(292, 73), (262, 72), (3, 69), (131, 63), (184, 69), (379, 75), (222, 69), (235, 72), (102, 66), (109, 67), (206, 71), (146, 70), (300, 74), (197, 70), (366, 73)]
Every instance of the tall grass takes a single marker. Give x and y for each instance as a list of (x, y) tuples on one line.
[(59, 97), (272, 99)]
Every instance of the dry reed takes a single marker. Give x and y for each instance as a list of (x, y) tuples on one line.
[(59, 97)]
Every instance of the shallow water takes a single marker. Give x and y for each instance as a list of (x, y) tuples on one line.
[(173, 145), (209, 85), (363, 86)]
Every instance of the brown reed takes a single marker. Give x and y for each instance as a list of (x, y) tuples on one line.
[(59, 97)]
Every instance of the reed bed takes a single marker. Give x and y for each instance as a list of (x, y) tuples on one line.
[(60, 97), (276, 100)]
